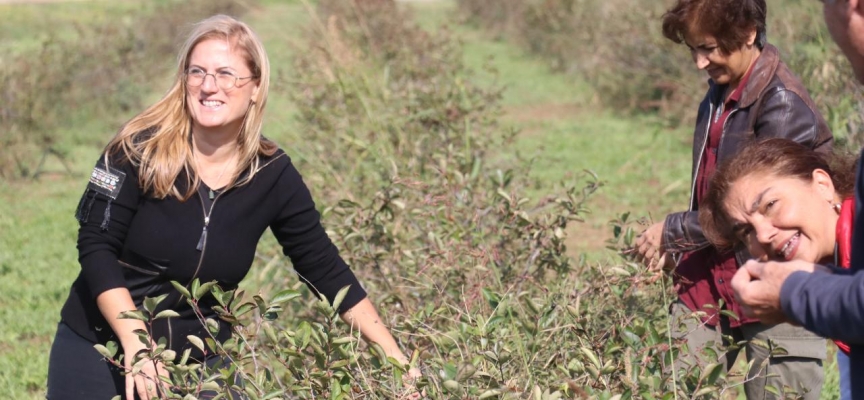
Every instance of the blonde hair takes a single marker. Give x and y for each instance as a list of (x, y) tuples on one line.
[(158, 140)]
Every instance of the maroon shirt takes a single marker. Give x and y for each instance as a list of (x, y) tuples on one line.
[(705, 275)]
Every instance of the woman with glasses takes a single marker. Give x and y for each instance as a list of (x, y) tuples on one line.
[(184, 192), (751, 95)]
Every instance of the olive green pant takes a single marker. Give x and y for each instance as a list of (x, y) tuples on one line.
[(785, 357)]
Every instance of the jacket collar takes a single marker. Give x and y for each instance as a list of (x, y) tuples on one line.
[(760, 77)]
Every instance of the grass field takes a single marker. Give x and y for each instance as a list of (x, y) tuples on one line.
[(644, 165)]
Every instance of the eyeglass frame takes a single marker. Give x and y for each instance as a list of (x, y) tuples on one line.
[(186, 74)]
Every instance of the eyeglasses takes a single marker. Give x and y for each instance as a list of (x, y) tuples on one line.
[(225, 80)]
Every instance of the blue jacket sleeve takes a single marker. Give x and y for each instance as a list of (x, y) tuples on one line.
[(831, 305)]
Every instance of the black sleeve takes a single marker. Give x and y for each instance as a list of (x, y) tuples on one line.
[(298, 229), (682, 232), (105, 212)]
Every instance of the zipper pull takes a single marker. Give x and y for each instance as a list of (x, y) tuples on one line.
[(203, 240)]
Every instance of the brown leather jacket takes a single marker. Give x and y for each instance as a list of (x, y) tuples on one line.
[(774, 103)]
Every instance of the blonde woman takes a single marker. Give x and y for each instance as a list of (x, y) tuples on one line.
[(184, 191)]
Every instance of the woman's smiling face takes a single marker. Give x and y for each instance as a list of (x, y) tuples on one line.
[(722, 68), (784, 218), (214, 109)]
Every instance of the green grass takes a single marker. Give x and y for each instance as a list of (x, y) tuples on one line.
[(27, 25), (38, 262)]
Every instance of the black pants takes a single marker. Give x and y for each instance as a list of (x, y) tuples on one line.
[(76, 371)]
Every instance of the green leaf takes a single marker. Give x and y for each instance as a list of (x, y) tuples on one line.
[(707, 390), (243, 309), (196, 341), (204, 289), (630, 337), (303, 333), (466, 371), (285, 295), (273, 395), (167, 314), (709, 371), (103, 351), (212, 326), (134, 314), (340, 296), (262, 308), (150, 303), (220, 296), (270, 332), (143, 336), (730, 314), (451, 386), (195, 285), (591, 356), (182, 289), (169, 355), (185, 357), (491, 297)]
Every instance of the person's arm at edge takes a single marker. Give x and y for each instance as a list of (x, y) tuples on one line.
[(827, 304)]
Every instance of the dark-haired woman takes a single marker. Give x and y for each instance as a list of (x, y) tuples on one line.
[(751, 94), (784, 202)]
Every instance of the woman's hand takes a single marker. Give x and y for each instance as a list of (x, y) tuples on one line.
[(649, 245), (409, 381), (365, 318), (146, 382)]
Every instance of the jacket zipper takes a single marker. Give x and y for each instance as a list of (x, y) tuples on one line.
[(202, 242)]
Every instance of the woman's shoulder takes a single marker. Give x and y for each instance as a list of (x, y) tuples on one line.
[(276, 158), (275, 164)]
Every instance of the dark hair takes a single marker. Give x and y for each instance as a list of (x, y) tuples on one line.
[(781, 157), (729, 21)]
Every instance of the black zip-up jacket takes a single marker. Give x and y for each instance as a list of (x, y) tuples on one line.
[(128, 239), (774, 103)]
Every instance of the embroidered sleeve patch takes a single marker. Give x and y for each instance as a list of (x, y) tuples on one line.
[(106, 180)]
